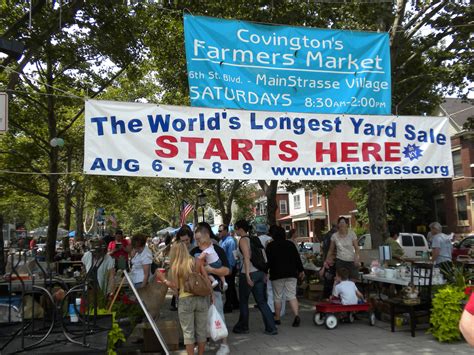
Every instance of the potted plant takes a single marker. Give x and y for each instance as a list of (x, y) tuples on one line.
[(448, 304)]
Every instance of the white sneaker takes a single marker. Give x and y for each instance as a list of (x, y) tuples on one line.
[(223, 350), (225, 286), (214, 283)]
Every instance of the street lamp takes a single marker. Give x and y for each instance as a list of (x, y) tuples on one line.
[(202, 202)]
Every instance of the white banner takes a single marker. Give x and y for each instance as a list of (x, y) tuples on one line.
[(134, 139)]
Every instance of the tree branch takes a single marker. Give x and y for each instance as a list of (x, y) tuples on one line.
[(24, 188), (110, 81), (426, 18), (235, 187)]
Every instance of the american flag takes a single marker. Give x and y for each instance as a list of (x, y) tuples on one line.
[(187, 208)]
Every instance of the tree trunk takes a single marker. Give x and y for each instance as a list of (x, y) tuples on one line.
[(69, 193), (79, 210), (270, 193), (377, 209), (53, 178), (53, 209), (225, 206), (2, 253), (67, 211)]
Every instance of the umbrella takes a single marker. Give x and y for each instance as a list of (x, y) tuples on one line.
[(163, 232)]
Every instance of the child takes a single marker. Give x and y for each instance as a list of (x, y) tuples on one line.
[(211, 258), (344, 289)]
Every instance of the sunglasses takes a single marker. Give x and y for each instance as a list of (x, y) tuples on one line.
[(220, 230)]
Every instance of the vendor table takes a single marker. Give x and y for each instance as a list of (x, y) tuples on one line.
[(16, 285), (397, 281), (404, 281)]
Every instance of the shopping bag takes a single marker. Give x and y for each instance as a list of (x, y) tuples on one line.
[(215, 324)]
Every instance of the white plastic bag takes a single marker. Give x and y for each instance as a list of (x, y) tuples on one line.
[(215, 324)]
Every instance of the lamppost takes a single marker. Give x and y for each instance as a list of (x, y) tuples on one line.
[(202, 202)]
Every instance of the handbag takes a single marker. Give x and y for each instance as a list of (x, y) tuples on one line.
[(215, 324), (197, 284)]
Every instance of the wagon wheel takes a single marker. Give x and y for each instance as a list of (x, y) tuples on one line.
[(331, 321), (318, 318), (372, 318), (351, 317)]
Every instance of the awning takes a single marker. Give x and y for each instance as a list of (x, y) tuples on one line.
[(285, 219), (316, 214)]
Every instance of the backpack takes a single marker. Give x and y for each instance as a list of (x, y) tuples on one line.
[(257, 255)]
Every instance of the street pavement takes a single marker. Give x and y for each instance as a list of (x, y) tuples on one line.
[(356, 338)]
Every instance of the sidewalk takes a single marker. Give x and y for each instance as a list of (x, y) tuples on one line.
[(356, 338)]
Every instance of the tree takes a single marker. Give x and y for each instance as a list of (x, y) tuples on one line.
[(142, 46), (64, 50)]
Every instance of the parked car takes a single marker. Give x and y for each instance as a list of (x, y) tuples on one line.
[(463, 247), (413, 244)]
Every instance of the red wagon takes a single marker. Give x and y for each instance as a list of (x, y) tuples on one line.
[(328, 313)]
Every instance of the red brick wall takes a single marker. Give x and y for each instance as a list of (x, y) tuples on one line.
[(340, 204), (451, 187)]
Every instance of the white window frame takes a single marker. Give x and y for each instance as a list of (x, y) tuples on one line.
[(297, 201), (457, 151), (319, 200), (310, 198), (457, 208), (285, 205)]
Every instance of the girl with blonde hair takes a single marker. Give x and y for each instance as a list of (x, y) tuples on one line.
[(192, 310)]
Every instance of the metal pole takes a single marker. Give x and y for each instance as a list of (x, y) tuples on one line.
[(148, 316), (203, 214)]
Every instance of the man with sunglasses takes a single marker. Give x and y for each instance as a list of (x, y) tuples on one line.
[(229, 245)]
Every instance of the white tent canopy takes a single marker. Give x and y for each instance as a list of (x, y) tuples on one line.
[(43, 232)]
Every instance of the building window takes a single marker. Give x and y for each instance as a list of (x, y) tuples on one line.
[(283, 207), (310, 198), (262, 208), (301, 229), (457, 163), (319, 199), (440, 211), (462, 208), (297, 201)]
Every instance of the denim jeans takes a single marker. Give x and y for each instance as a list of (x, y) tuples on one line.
[(258, 291)]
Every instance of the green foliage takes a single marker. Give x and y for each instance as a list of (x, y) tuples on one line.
[(459, 276), (115, 334), (446, 313), (360, 230), (407, 202), (131, 311)]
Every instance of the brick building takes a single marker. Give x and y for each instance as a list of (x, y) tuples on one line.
[(454, 204)]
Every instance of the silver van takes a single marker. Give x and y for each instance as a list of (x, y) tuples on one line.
[(413, 244)]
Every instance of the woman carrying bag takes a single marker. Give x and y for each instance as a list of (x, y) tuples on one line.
[(193, 309)]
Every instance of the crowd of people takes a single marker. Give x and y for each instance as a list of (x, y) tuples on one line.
[(265, 263)]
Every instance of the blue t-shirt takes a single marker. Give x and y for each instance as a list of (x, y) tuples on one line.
[(228, 244), (443, 242)]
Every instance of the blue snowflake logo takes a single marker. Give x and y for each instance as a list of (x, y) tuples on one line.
[(412, 151)]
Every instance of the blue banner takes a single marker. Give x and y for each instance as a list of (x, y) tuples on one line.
[(237, 64)]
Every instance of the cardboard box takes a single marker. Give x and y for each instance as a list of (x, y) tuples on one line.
[(169, 331), (316, 287)]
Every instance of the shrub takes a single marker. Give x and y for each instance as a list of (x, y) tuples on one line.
[(446, 313)]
